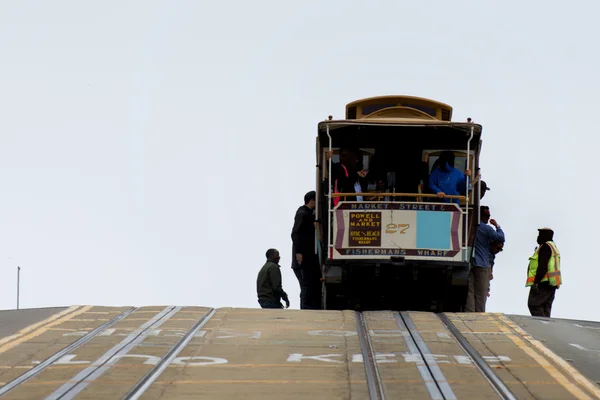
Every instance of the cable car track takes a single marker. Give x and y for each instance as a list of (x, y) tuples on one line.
[(432, 375), (144, 383), (74, 386), (70, 389), (435, 382), (80, 381), (481, 364), (56, 356), (369, 359)]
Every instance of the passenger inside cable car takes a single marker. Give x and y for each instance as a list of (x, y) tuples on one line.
[(383, 171), (445, 179), (348, 174)]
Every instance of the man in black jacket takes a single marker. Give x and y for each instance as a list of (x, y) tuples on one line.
[(304, 261), (348, 175)]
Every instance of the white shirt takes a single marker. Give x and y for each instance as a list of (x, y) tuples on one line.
[(358, 189)]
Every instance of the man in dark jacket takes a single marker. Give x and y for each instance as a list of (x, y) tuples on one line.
[(268, 283), (305, 262), (348, 175)]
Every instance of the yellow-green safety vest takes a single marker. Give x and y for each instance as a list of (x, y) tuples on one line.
[(553, 274)]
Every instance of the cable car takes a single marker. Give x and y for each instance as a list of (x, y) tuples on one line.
[(385, 239)]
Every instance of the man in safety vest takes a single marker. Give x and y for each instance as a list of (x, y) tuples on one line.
[(543, 275)]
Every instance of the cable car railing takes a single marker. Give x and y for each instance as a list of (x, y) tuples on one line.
[(395, 194)]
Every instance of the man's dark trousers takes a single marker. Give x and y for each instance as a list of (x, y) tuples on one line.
[(479, 285), (311, 283), (540, 300), (269, 304), (298, 272)]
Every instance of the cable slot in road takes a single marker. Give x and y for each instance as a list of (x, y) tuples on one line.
[(369, 359), (444, 390), (481, 364), (430, 382), (50, 360), (155, 372)]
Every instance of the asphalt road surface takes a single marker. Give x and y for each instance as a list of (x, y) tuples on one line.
[(174, 352), (577, 342), (12, 321)]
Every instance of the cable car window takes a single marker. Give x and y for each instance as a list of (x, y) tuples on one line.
[(366, 110), (460, 160), (367, 153), (428, 110)]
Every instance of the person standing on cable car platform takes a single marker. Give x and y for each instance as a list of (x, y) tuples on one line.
[(447, 180), (481, 262), (496, 247), (305, 262), (348, 176)]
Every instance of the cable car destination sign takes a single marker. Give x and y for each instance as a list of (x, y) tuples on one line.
[(383, 229)]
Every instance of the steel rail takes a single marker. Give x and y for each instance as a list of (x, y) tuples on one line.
[(369, 360), (56, 356), (143, 384), (481, 364)]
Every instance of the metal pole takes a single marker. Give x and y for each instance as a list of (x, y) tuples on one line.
[(329, 198), (319, 225), (479, 199), (466, 227), (318, 191), (18, 284)]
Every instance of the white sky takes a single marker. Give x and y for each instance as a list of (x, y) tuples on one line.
[(151, 151)]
